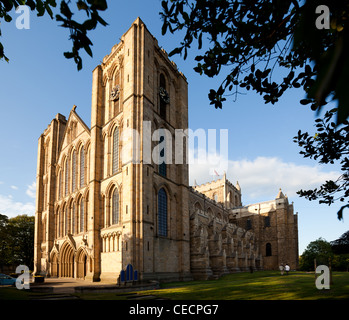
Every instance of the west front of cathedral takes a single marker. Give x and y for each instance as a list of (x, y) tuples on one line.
[(99, 211)]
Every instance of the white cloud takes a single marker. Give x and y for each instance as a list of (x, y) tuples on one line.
[(9, 207), (31, 190), (263, 176)]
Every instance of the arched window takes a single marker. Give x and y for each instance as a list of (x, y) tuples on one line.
[(163, 96), (86, 211), (61, 219), (267, 221), (162, 213), (237, 203), (115, 207), (60, 184), (66, 176), (115, 95), (82, 167), (73, 218), (82, 217), (162, 165), (116, 150), (73, 171), (58, 228), (248, 224), (268, 249), (66, 220)]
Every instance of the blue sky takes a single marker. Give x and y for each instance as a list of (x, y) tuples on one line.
[(39, 82)]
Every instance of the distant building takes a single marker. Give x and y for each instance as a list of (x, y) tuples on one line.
[(98, 210)]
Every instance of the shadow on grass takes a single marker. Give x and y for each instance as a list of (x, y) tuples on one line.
[(261, 285)]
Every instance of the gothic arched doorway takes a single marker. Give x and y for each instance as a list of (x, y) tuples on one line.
[(81, 264), (54, 265), (67, 261)]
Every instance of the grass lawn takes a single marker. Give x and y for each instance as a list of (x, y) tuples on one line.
[(262, 285)]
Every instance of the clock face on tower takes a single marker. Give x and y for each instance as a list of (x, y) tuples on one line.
[(164, 95), (115, 93)]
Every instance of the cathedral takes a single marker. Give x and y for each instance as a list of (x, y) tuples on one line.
[(104, 204)]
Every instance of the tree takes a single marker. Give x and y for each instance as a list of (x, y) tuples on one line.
[(341, 245), (320, 250), (306, 41), (5, 252), (21, 239), (78, 31), (248, 40), (329, 144), (17, 240), (340, 248)]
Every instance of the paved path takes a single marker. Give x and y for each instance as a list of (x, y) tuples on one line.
[(68, 285), (65, 288)]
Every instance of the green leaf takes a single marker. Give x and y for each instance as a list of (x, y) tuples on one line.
[(88, 50), (340, 212), (175, 51), (100, 5), (164, 28), (90, 24), (68, 55), (101, 21), (305, 101), (40, 8), (8, 18), (65, 10), (81, 5), (253, 67), (164, 5), (200, 41)]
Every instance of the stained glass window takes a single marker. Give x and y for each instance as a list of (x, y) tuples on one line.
[(73, 218), (74, 171), (82, 167), (66, 176), (115, 207), (66, 219), (116, 150), (82, 220), (162, 213), (162, 165), (60, 183)]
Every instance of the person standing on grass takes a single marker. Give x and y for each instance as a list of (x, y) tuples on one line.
[(281, 269), (287, 268)]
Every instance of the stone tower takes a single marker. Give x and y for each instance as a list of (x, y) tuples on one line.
[(105, 199), (138, 91)]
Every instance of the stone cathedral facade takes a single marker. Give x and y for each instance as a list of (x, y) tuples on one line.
[(98, 210)]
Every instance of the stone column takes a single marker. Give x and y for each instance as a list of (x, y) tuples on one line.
[(96, 167)]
